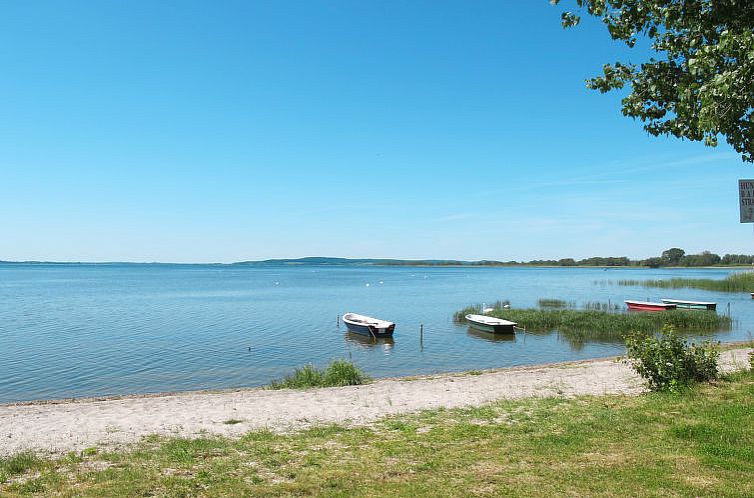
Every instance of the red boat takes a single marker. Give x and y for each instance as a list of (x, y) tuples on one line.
[(647, 306)]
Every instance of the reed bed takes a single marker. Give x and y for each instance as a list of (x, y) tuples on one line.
[(555, 303), (599, 325), (735, 282), (599, 306)]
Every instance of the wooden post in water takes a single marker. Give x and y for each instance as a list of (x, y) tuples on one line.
[(337, 321), (421, 335)]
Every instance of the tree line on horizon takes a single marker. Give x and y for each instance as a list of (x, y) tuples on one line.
[(670, 257)]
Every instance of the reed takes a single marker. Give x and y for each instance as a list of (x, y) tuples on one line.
[(599, 325), (554, 303), (338, 373), (459, 317), (598, 306), (735, 282)]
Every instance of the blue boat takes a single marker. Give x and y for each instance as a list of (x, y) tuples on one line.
[(366, 325)]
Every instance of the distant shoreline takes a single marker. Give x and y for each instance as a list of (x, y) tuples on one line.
[(342, 262)]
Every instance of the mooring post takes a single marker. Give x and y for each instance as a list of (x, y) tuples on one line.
[(337, 321), (421, 335)]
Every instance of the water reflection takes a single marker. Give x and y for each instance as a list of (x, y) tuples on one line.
[(364, 341), (490, 336)]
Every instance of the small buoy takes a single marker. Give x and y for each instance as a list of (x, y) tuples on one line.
[(382, 282), (367, 285), (277, 283)]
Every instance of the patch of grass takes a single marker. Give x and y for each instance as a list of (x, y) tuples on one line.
[(18, 464), (337, 373), (699, 442), (735, 282), (232, 421)]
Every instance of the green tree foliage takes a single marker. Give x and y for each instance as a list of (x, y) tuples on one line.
[(700, 85), (737, 259), (673, 256), (706, 258)]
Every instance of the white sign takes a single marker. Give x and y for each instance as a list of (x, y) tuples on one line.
[(746, 199)]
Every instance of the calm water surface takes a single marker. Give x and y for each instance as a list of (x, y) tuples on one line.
[(85, 330)]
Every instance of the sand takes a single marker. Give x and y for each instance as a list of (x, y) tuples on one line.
[(59, 427)]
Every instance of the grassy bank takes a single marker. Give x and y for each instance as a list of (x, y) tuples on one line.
[(735, 282), (698, 443), (603, 325)]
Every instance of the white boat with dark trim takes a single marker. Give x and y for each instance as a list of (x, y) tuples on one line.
[(366, 325), (491, 324), (694, 305)]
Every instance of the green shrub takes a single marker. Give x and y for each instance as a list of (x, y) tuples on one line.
[(669, 363), (751, 359), (338, 373)]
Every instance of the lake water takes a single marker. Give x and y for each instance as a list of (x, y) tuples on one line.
[(89, 330)]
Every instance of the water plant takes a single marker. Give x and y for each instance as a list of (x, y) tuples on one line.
[(735, 282), (554, 303), (459, 317), (337, 373), (598, 325), (599, 306)]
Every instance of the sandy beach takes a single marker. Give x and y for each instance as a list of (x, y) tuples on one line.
[(62, 426)]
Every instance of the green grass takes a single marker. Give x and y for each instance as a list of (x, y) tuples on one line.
[(337, 373), (583, 325), (735, 282), (699, 442), (18, 464)]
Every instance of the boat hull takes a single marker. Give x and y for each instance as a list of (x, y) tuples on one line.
[(371, 331), (645, 306), (494, 329), (691, 305), (479, 323), (368, 326)]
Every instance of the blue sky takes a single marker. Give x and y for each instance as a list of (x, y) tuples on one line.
[(225, 131)]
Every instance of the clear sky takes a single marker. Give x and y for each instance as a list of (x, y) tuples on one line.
[(224, 131)]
